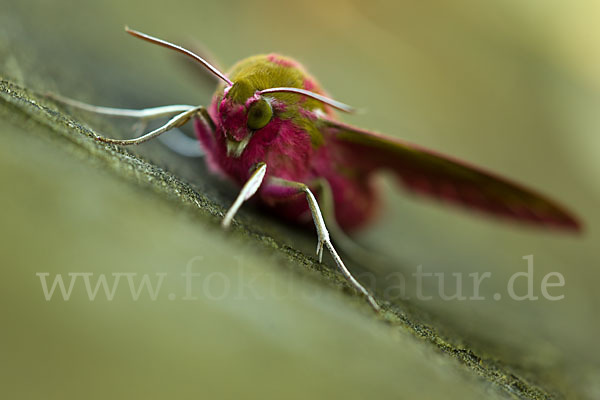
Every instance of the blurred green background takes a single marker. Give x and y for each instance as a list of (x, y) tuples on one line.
[(512, 86)]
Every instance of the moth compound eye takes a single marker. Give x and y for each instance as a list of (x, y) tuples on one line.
[(259, 114)]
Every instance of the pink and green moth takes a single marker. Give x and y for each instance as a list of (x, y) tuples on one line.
[(272, 130)]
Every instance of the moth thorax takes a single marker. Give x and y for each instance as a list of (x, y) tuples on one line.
[(240, 92)]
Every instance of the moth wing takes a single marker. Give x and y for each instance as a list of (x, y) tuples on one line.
[(426, 172)]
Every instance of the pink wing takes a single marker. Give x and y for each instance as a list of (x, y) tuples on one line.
[(439, 176)]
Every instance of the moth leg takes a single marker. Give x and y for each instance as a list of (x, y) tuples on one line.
[(143, 114), (249, 189), (183, 113), (323, 236), (354, 250), (175, 122), (328, 209)]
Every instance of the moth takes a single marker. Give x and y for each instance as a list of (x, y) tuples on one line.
[(273, 130)]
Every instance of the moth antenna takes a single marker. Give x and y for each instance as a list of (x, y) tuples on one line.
[(326, 100), (180, 49)]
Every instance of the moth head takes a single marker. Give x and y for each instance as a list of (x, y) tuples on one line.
[(242, 112)]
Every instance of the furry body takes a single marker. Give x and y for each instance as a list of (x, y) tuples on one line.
[(294, 144)]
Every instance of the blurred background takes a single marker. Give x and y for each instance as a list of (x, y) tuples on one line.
[(512, 86)]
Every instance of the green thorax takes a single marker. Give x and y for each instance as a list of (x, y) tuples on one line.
[(272, 70)]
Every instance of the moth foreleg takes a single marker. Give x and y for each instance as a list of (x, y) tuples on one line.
[(248, 190), (182, 114), (143, 114), (175, 122)]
